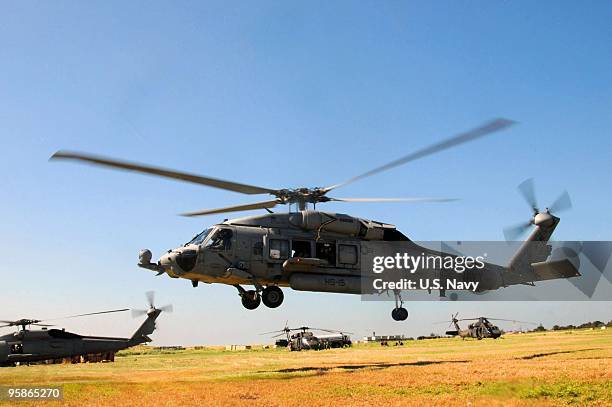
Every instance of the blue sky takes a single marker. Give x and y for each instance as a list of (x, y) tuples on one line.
[(285, 94)]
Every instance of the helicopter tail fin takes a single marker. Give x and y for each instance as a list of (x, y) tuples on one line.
[(147, 328), (535, 249), (529, 263)]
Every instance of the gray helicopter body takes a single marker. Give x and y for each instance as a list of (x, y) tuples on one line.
[(329, 252), (309, 341), (303, 338)]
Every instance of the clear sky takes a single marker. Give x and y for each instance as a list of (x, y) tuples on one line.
[(286, 94)]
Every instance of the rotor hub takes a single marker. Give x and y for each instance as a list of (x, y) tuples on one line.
[(543, 219)]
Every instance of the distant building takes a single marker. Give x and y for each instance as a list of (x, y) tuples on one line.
[(378, 338)]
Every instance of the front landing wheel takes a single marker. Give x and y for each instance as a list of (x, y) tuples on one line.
[(250, 299), (399, 314), (272, 296)]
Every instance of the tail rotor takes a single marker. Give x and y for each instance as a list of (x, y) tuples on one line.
[(527, 191), (151, 303)]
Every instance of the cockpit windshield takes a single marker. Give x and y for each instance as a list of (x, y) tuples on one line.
[(199, 238)]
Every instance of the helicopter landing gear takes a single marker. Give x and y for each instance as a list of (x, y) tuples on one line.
[(250, 298), (399, 313), (272, 296)]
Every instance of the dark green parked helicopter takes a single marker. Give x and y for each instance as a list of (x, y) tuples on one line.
[(479, 329), (25, 346)]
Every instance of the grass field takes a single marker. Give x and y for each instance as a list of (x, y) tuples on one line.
[(551, 368)]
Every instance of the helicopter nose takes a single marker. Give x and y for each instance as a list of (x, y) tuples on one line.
[(167, 260), (179, 261)]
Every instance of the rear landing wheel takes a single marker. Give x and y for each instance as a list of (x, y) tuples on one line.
[(399, 314), (272, 296), (250, 299)]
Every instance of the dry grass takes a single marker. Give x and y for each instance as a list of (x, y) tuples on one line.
[(545, 369)]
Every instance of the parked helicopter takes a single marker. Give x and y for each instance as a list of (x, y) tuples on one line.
[(305, 339), (25, 346), (309, 250), (480, 329)]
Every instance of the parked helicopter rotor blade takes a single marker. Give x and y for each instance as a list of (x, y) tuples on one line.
[(333, 331), (166, 308), (453, 319), (527, 190), (562, 203), (268, 333), (512, 320), (245, 207), (273, 332), (138, 312), (516, 231), (42, 324), (478, 132), (150, 298), (393, 199), (90, 313), (162, 172)]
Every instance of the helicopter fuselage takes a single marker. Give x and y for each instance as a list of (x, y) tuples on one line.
[(307, 251), (325, 252), (31, 346), (27, 346)]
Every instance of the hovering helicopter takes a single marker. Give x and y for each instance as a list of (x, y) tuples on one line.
[(480, 329), (25, 346), (309, 250), (305, 339)]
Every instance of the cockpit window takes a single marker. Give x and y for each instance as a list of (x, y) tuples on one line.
[(199, 238), (221, 240)]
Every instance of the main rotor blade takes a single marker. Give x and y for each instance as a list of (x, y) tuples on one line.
[(514, 232), (162, 172), (90, 313), (393, 199), (485, 129), (527, 190), (562, 203), (245, 207)]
